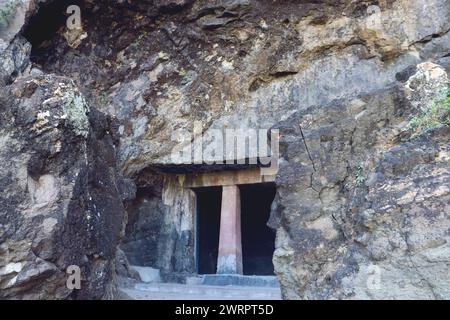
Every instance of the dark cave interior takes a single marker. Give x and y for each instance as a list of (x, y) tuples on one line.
[(208, 226), (258, 240)]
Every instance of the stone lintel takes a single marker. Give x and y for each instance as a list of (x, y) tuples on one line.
[(224, 178)]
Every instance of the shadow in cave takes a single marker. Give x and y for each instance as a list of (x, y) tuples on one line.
[(258, 240), (209, 201), (43, 26)]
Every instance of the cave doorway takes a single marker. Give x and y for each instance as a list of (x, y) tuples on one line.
[(248, 239), (258, 239), (208, 226)]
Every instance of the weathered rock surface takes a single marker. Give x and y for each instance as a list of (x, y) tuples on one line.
[(237, 63), (15, 58), (373, 209), (362, 207), (59, 204)]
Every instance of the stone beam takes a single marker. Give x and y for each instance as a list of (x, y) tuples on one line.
[(224, 178)]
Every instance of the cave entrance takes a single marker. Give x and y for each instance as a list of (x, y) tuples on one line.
[(258, 239), (208, 226), (232, 235)]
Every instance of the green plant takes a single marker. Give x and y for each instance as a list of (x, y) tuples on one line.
[(182, 72), (435, 116), (359, 176), (104, 99), (7, 12)]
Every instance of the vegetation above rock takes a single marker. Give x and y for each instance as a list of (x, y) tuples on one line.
[(435, 116)]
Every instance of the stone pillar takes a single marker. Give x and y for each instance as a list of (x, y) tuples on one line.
[(230, 247)]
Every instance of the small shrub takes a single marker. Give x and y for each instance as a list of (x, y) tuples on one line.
[(359, 176), (104, 98), (435, 116), (182, 72)]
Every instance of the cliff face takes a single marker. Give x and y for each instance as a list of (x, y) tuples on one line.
[(370, 217), (363, 204), (60, 204)]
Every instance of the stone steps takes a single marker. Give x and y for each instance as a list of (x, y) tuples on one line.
[(171, 291), (202, 287), (239, 280)]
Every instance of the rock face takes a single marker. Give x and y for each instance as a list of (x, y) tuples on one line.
[(15, 58), (362, 206), (373, 218), (59, 202), (160, 228)]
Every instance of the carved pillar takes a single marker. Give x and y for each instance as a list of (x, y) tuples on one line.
[(230, 247)]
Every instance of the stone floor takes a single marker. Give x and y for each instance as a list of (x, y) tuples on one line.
[(172, 291)]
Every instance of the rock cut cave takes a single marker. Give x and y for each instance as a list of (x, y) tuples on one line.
[(88, 116), (213, 223)]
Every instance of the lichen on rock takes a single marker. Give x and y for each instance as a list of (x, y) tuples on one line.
[(76, 111)]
